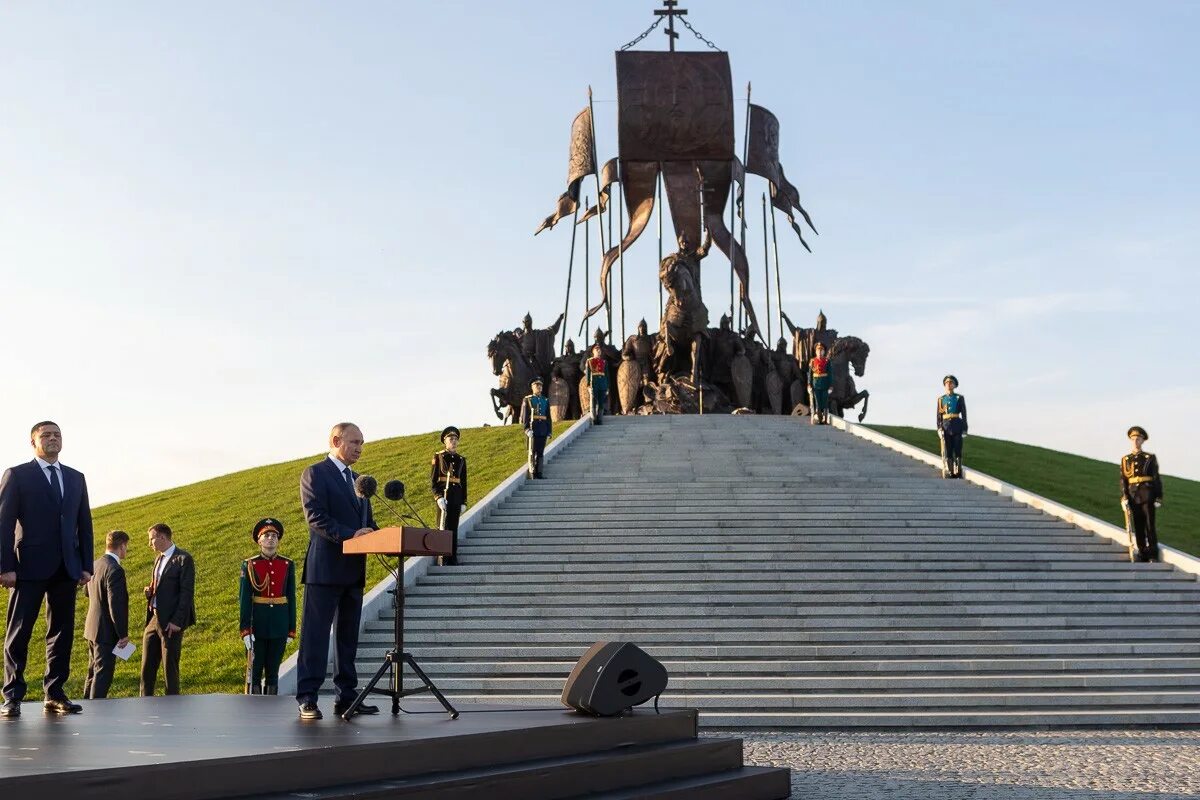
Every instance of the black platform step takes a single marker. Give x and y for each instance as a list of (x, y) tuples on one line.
[(747, 783), (624, 768)]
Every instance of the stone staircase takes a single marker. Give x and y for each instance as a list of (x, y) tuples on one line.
[(792, 576)]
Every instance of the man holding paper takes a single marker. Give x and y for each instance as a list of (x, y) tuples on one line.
[(107, 624)]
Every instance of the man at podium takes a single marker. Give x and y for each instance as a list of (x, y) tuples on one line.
[(333, 581)]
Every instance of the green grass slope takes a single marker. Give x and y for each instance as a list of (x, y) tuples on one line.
[(212, 520), (1086, 484)]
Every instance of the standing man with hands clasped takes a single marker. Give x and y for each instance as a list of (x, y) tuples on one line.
[(535, 418), (170, 608), (107, 623), (45, 555), (448, 475), (333, 581)]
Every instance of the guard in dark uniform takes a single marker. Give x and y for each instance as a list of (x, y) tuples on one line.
[(596, 372), (448, 476), (819, 383), (951, 427), (1141, 494), (535, 419), (268, 606)]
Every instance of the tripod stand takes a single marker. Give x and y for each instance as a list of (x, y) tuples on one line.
[(395, 659)]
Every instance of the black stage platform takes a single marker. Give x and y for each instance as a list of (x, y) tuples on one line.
[(225, 746)]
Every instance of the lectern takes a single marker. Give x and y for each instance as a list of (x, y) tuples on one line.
[(401, 542)]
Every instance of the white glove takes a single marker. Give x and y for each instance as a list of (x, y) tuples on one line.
[(441, 503), (464, 508), (248, 640)]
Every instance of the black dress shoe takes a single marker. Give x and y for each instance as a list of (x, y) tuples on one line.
[(62, 706), (365, 708), (310, 711), (11, 708)]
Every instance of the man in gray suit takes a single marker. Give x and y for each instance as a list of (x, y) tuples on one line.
[(170, 608), (107, 624)]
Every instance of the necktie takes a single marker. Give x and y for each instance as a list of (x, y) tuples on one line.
[(154, 579), (350, 483), (55, 489)]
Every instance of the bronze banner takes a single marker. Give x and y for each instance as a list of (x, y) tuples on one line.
[(639, 179), (609, 174), (674, 106), (762, 158), (582, 162)]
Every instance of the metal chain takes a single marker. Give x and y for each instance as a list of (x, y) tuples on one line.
[(645, 33), (699, 35)]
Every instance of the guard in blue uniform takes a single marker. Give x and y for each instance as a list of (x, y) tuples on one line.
[(535, 419), (1141, 494), (448, 475), (951, 427)]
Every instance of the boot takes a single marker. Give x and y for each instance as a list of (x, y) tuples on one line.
[(270, 689), (255, 689)]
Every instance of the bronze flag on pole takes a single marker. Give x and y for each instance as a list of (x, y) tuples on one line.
[(762, 158), (638, 181), (582, 163), (609, 174)]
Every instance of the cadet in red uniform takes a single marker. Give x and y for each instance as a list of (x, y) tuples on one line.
[(268, 606), (1141, 493), (596, 371), (819, 382)]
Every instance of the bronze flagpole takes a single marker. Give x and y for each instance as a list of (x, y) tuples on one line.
[(621, 244), (562, 346), (587, 279), (745, 156), (659, 182), (766, 270), (599, 213), (778, 285)]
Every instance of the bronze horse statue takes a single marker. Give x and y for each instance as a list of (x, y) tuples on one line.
[(847, 352), (515, 372)]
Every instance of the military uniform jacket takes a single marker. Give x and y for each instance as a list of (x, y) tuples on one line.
[(268, 597), (952, 413), (597, 373), (535, 415), (1140, 481), (817, 368), (448, 475)]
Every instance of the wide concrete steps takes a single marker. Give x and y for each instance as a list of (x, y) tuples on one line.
[(791, 576)]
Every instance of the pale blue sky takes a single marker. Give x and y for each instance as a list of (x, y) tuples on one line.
[(224, 227)]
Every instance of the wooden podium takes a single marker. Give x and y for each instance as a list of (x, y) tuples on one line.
[(403, 541)]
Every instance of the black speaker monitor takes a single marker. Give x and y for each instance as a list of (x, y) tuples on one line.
[(613, 677)]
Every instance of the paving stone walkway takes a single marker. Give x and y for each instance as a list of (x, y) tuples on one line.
[(982, 765)]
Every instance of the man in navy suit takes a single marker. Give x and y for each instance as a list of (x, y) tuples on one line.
[(45, 556), (333, 582)]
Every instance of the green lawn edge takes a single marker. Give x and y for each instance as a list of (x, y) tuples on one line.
[(1085, 484), (212, 520)]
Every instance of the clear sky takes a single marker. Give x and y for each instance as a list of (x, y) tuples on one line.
[(225, 226)]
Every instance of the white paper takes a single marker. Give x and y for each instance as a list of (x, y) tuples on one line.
[(125, 652)]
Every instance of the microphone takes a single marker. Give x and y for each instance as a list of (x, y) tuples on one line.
[(394, 490), (365, 486)]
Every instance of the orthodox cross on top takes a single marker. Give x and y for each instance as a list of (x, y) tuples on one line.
[(671, 12)]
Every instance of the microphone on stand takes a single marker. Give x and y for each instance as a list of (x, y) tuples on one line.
[(394, 491), (365, 486)]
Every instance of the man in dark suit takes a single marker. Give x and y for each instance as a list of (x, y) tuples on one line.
[(333, 582), (45, 555), (107, 623), (170, 608)]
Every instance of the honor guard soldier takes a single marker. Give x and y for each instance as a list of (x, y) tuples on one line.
[(449, 478), (268, 607), (1141, 494), (951, 427), (535, 418), (819, 383), (596, 373)]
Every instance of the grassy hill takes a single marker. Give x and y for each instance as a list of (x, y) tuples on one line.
[(1086, 484), (212, 520)]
